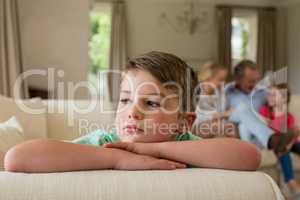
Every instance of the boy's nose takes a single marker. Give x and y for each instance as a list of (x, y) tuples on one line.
[(136, 117), (135, 113)]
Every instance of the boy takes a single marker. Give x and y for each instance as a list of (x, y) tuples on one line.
[(152, 123)]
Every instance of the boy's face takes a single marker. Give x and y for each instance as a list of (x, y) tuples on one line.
[(147, 112)]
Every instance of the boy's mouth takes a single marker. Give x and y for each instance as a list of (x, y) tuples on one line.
[(132, 129)]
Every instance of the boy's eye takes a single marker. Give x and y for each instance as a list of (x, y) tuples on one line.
[(125, 101), (153, 104)]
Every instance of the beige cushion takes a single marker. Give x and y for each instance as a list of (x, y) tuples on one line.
[(69, 119), (184, 184), (294, 107), (268, 159), (296, 161), (10, 135), (34, 124), (2, 154)]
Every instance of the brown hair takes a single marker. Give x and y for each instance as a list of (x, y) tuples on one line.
[(240, 68), (168, 68)]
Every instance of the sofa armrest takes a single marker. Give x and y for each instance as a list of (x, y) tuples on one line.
[(181, 184)]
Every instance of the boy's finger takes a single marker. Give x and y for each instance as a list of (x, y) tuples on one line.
[(162, 165), (116, 145), (178, 165), (108, 145), (167, 165), (120, 145)]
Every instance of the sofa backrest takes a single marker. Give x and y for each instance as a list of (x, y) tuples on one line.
[(30, 113), (69, 119), (294, 108)]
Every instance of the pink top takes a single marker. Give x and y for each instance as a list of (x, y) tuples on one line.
[(278, 123)]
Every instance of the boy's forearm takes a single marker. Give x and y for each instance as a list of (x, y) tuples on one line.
[(212, 153), (55, 156)]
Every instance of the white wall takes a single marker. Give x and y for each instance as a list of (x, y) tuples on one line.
[(147, 32), (294, 47), (55, 34)]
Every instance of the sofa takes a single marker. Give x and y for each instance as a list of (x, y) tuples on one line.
[(68, 119)]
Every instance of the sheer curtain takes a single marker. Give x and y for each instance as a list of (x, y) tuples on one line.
[(11, 64), (118, 50)]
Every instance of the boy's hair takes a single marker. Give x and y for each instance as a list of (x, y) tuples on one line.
[(168, 68), (240, 68)]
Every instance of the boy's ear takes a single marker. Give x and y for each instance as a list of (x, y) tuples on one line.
[(188, 119)]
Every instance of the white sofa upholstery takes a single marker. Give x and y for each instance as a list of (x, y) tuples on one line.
[(64, 122), (191, 184)]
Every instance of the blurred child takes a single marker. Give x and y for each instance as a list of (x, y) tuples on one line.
[(211, 103), (281, 120)]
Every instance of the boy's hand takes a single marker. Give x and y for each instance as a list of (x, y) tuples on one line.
[(146, 157), (142, 162), (150, 149)]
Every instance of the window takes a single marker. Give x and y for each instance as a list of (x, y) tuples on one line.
[(99, 44), (244, 35)]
